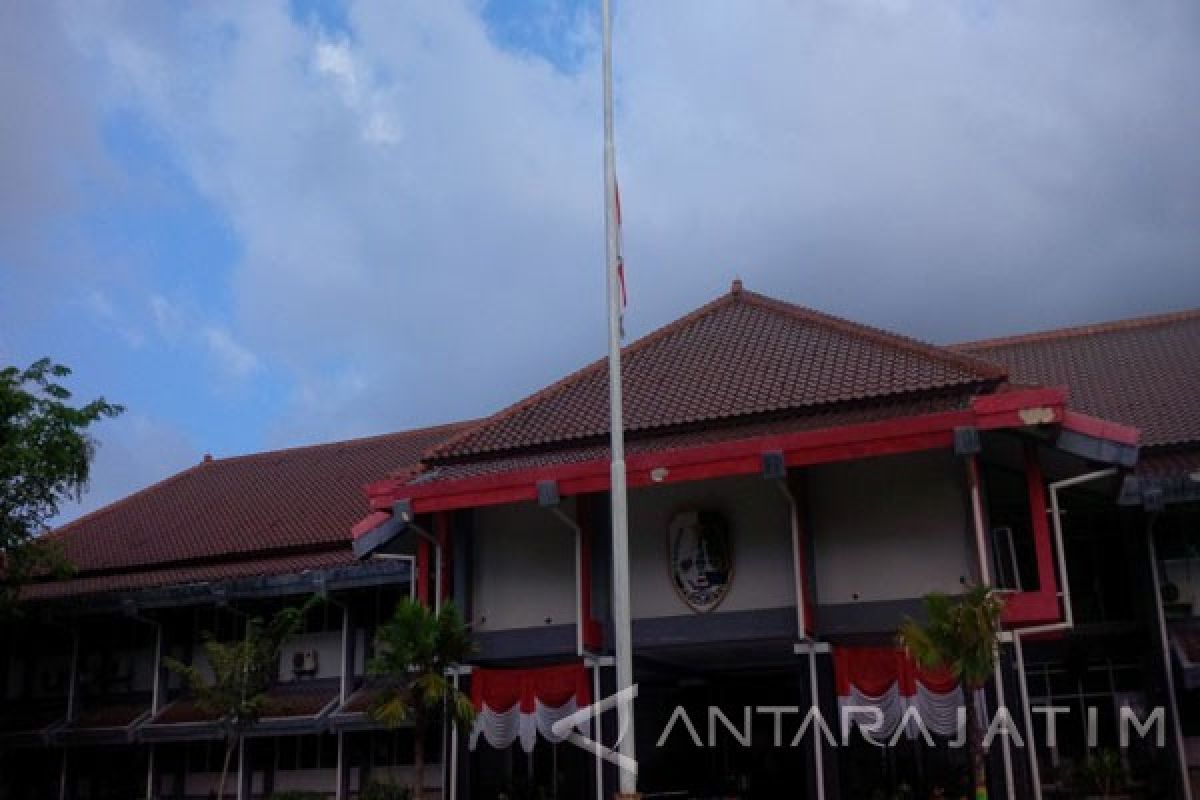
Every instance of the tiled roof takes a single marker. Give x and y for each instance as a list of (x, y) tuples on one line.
[(283, 700), (184, 711), (299, 699), (111, 715), (739, 356), (1142, 372), (238, 509)]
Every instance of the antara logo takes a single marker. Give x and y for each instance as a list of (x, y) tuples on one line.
[(588, 717), (871, 721)]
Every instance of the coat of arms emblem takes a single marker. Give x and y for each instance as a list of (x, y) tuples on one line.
[(701, 558)]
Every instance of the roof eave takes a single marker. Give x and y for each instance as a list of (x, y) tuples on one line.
[(1041, 408)]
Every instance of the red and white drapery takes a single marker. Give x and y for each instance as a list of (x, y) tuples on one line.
[(518, 704), (886, 678)]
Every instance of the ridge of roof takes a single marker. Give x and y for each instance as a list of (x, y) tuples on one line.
[(1089, 329), (357, 440), (988, 370), (984, 370), (546, 391), (102, 511)]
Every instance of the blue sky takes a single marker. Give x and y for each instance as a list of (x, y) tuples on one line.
[(266, 224)]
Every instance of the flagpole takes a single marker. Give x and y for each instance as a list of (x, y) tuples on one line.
[(623, 645)]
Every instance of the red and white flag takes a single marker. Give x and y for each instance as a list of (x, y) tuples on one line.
[(620, 255)]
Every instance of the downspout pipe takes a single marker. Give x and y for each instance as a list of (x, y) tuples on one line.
[(797, 559), (1180, 747), (775, 469), (578, 535), (1066, 624), (549, 499), (403, 511), (985, 576)]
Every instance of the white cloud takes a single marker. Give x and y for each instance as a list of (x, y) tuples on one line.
[(950, 170), (168, 320), (370, 103), (231, 357), (102, 309)]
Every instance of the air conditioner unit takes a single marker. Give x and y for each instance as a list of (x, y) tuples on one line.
[(304, 663)]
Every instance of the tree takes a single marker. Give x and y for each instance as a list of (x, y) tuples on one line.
[(413, 651), (960, 635), (240, 672), (45, 458)]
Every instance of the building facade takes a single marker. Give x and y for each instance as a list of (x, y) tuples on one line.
[(798, 483)]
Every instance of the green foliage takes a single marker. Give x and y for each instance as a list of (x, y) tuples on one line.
[(45, 458), (241, 673), (413, 651), (298, 795), (960, 634), (243, 670), (381, 790)]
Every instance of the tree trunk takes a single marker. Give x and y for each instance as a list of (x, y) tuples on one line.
[(978, 759), (419, 754), (225, 767)]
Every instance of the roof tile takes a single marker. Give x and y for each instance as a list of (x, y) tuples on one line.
[(741, 355), (302, 498), (1143, 372)]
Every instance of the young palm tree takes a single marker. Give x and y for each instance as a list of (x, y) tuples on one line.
[(241, 673), (960, 635), (413, 651)]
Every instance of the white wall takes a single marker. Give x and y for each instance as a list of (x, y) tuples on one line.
[(523, 572), (759, 528), (889, 528)]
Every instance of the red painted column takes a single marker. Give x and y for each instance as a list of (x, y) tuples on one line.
[(583, 517), (1042, 606), (1043, 547)]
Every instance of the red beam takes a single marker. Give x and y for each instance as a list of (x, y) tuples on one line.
[(1101, 428), (1019, 408), (737, 457), (1042, 606)]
